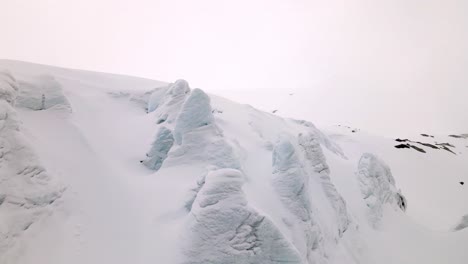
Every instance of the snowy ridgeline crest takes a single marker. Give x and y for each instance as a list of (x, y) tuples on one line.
[(378, 187), (27, 191), (222, 227)]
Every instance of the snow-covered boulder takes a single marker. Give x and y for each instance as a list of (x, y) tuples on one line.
[(196, 112), (223, 228), (161, 146), (314, 157), (378, 187), (40, 93)]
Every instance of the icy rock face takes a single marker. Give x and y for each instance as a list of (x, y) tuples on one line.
[(224, 229), (42, 93), (291, 183), (462, 224), (378, 187), (26, 190), (161, 146), (196, 112), (167, 102), (314, 156)]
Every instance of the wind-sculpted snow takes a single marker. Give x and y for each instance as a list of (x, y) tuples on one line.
[(316, 159), (322, 138), (167, 102), (205, 145), (196, 112), (42, 92), (223, 228), (26, 190), (378, 187), (8, 87), (161, 146), (291, 184)]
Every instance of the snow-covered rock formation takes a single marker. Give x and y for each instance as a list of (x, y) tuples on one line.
[(313, 153), (27, 191), (292, 184), (378, 187), (41, 93), (225, 229)]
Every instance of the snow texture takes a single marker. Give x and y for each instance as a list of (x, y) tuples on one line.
[(291, 183), (27, 191), (378, 187), (314, 156), (42, 93), (167, 102), (8, 87), (223, 228), (322, 138), (161, 146), (196, 112)]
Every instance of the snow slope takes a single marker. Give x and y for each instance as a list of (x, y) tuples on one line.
[(140, 171)]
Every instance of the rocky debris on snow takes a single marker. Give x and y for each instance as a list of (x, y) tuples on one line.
[(223, 228), (465, 136), (406, 144), (27, 191), (41, 93), (353, 130), (427, 135), (378, 187)]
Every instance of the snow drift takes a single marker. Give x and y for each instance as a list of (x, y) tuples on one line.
[(139, 171)]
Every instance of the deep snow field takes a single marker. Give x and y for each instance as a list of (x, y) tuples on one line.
[(102, 168)]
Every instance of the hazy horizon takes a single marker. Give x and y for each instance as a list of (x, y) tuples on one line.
[(396, 66)]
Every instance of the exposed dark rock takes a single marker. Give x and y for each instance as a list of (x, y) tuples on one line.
[(427, 145), (447, 149), (445, 144), (418, 148), (426, 135), (274, 111), (401, 140), (402, 146), (461, 183)]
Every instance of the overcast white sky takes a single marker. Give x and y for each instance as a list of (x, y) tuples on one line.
[(386, 66)]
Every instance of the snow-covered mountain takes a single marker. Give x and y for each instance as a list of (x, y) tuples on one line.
[(102, 168)]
